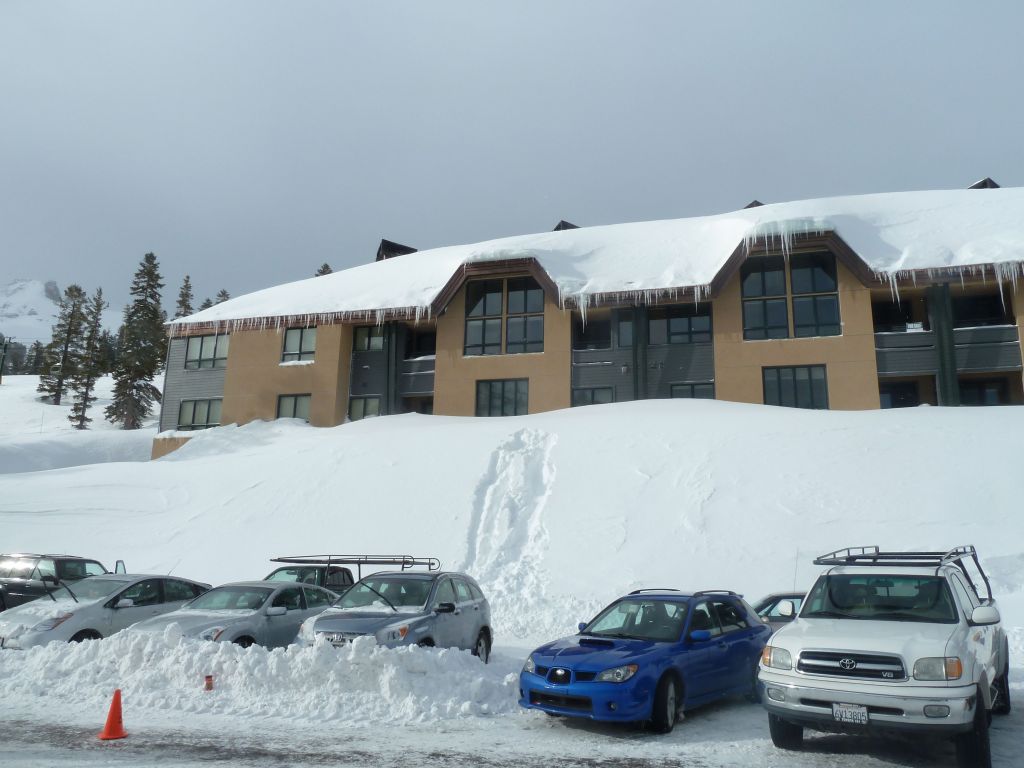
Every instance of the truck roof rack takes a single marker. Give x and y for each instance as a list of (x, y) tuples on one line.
[(403, 562), (872, 556)]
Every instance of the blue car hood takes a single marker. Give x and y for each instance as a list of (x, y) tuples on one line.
[(594, 653)]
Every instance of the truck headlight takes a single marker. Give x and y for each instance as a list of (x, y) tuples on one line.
[(393, 634), (529, 666), (618, 674), (52, 623), (213, 633), (938, 668), (776, 658)]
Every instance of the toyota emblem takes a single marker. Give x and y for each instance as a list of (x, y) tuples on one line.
[(848, 664)]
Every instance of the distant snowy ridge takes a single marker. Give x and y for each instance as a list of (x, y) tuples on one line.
[(28, 309), (896, 234)]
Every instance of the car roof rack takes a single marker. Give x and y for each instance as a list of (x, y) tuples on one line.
[(703, 592), (873, 556), (653, 589), (399, 561)]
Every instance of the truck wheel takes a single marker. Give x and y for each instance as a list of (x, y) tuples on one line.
[(1001, 706), (754, 694), (972, 748), (666, 706), (785, 735)]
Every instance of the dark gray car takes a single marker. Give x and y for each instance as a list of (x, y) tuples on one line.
[(447, 610), (22, 575)]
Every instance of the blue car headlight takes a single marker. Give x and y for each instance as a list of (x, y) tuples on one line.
[(529, 666), (618, 674)]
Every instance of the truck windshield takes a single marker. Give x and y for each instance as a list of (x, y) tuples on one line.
[(881, 598)]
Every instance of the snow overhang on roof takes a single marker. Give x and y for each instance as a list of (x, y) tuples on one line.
[(896, 236)]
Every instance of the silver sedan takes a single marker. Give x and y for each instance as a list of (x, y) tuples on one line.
[(266, 613), (94, 607)]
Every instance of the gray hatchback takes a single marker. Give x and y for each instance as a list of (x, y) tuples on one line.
[(447, 610)]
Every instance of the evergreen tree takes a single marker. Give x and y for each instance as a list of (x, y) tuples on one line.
[(325, 269), (222, 296), (141, 350), (107, 353), (63, 350), (207, 303), (88, 365), (184, 306), (35, 358)]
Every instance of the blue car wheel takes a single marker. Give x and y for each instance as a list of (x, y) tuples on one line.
[(666, 705)]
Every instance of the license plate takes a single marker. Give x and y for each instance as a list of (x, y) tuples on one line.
[(850, 713)]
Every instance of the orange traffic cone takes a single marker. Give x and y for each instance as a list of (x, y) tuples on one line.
[(114, 729)]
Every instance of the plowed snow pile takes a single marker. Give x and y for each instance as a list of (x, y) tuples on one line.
[(555, 514)]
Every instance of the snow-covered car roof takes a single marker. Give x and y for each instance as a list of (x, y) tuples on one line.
[(896, 235)]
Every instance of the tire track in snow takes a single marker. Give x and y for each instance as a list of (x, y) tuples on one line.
[(507, 539)]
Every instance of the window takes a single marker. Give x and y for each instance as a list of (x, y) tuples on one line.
[(293, 406), (317, 598), (983, 392), (483, 317), (695, 391), (199, 414), (206, 351), (45, 567), (679, 324), (624, 319), (368, 338), (814, 315), (525, 331), (763, 282), (486, 313), (299, 344), (972, 311), (420, 343), (445, 592), (175, 590), (592, 396), (504, 397), (144, 593), (595, 333), (702, 619), (462, 589), (363, 407), (797, 387), (729, 617), (290, 599), (898, 394)]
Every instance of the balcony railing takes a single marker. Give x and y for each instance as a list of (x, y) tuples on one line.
[(980, 349), (416, 376)]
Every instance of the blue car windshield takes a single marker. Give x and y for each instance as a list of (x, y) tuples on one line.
[(656, 620)]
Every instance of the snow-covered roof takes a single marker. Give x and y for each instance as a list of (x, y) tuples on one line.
[(894, 234)]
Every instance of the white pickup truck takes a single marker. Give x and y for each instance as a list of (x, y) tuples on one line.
[(906, 641)]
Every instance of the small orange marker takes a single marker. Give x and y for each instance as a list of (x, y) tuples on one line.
[(208, 683), (114, 729)]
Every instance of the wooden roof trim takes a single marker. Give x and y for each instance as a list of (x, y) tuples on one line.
[(484, 269)]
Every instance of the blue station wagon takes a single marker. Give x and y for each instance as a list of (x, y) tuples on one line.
[(648, 656)]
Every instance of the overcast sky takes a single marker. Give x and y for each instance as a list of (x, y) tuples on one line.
[(246, 143)]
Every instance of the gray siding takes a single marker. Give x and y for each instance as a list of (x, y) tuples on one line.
[(993, 348), (604, 368), (180, 384), (369, 373), (677, 363)]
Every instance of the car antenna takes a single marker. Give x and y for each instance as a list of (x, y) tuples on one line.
[(796, 564)]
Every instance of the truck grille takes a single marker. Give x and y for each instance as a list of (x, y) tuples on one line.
[(864, 666)]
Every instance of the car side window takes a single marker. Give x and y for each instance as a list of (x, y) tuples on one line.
[(144, 593), (339, 577), (45, 567), (771, 611), (290, 598), (446, 592), (92, 568), (477, 594), (702, 619), (729, 616), (964, 596), (317, 598), (462, 589), (22, 568), (175, 590)]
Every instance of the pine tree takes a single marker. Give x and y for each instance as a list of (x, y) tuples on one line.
[(107, 354), (222, 296), (140, 351), (325, 269), (62, 351), (207, 303), (184, 306), (35, 358), (88, 365)]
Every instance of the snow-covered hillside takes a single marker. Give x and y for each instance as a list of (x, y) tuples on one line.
[(35, 435), (555, 514), (28, 309)]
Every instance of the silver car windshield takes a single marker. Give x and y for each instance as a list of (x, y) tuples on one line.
[(231, 599), (881, 598), (398, 591), (92, 589)]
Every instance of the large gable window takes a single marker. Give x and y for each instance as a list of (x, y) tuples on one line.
[(484, 307), (812, 278), (812, 296), (764, 298), (513, 308), (525, 325)]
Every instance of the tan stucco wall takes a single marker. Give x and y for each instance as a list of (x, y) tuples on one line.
[(164, 445), (455, 376), (851, 369), (255, 377)]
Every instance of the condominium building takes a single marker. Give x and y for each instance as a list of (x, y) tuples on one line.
[(875, 301)]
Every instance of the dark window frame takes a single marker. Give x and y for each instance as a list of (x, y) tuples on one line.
[(527, 317), (674, 313), (192, 426), (202, 359), (364, 336), (304, 332), (513, 325), (778, 371), (806, 279), (580, 394), (296, 397), (625, 317), (587, 335), (363, 400), (690, 387), (519, 387)]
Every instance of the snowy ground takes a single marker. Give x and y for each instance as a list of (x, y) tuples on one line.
[(35, 435), (555, 514)]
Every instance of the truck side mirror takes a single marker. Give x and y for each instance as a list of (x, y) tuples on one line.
[(786, 609), (984, 615)]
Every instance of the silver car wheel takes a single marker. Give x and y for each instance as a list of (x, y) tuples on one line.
[(481, 648)]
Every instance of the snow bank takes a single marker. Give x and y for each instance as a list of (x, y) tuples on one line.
[(894, 233), (35, 435), (358, 685)]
